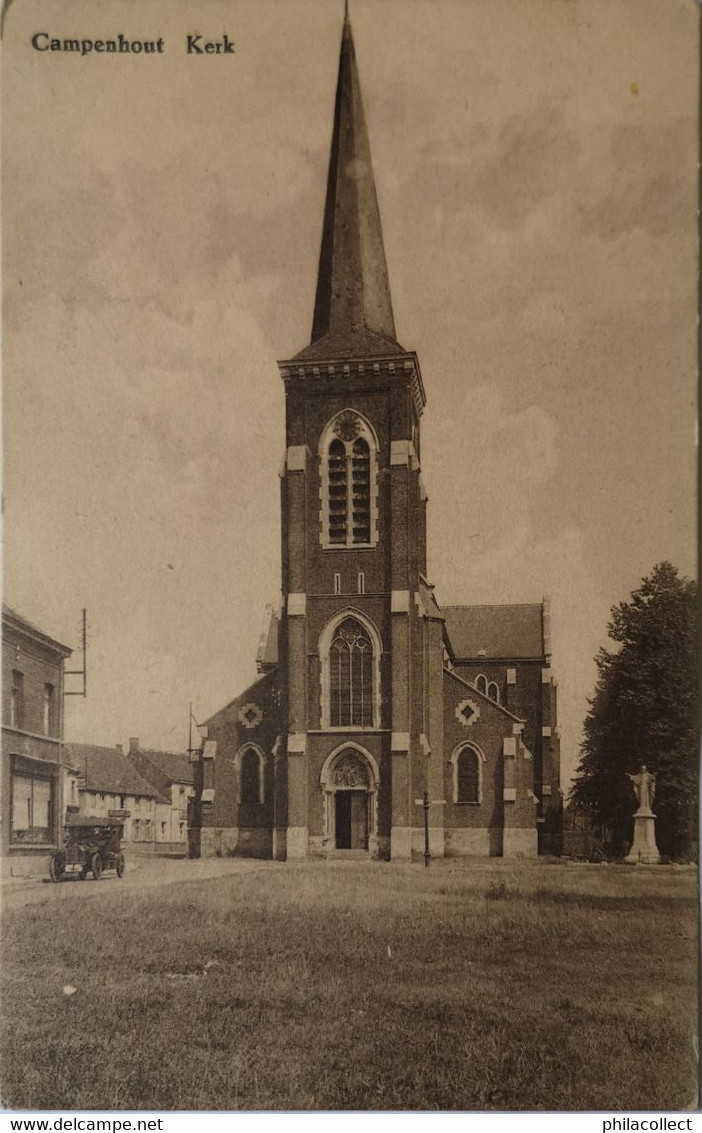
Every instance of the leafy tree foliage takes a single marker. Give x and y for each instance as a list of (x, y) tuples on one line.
[(644, 711)]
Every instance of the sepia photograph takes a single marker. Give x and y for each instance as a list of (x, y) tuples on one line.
[(350, 715)]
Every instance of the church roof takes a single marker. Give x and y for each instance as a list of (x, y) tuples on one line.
[(266, 682), (353, 312), (483, 696), (481, 632)]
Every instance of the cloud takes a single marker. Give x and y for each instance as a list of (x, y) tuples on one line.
[(533, 160), (648, 184), (482, 476), (505, 173)]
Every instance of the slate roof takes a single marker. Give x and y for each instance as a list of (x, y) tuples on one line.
[(175, 765), (481, 632), (353, 310), (107, 770)]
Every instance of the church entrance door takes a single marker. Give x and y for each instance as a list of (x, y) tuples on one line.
[(351, 820)]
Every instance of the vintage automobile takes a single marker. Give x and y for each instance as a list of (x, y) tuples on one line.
[(91, 845)]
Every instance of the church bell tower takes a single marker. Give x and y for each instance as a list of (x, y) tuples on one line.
[(356, 659)]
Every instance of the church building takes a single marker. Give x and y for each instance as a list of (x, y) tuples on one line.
[(369, 692)]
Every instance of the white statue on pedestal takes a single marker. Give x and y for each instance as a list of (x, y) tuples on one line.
[(645, 788), (644, 848)]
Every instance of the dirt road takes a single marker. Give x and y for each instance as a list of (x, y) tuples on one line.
[(142, 873)]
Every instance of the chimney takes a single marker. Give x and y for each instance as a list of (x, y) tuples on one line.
[(133, 744), (119, 748)]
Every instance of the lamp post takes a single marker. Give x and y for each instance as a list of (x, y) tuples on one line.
[(425, 802)]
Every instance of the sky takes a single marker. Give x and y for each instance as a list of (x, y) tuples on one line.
[(535, 163)]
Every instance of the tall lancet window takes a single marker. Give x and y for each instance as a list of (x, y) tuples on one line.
[(351, 676), (348, 458), (467, 762)]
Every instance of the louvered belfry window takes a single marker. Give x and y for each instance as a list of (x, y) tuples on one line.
[(349, 483), (338, 492), (360, 481), (351, 672)]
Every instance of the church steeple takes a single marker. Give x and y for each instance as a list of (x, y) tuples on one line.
[(353, 311)]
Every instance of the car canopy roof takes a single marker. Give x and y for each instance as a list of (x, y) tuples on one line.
[(74, 820)]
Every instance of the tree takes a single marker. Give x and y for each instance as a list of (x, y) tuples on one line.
[(644, 711)]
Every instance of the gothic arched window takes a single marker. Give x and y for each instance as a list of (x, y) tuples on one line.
[(481, 684), (251, 766), (351, 676), (493, 692), (467, 776), (347, 453)]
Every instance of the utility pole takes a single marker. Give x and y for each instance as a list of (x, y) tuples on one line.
[(195, 804), (84, 671), (192, 750)]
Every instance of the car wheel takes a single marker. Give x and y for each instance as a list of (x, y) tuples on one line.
[(56, 867), (96, 866), (121, 865)]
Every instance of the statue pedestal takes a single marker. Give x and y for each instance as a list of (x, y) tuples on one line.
[(644, 848)]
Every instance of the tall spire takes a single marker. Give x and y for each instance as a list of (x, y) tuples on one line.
[(353, 311)]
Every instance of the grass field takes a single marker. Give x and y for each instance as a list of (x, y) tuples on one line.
[(359, 986)]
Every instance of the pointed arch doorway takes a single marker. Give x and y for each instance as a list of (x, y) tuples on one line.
[(351, 819), (350, 783)]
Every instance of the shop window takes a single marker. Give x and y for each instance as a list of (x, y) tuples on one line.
[(32, 809)]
